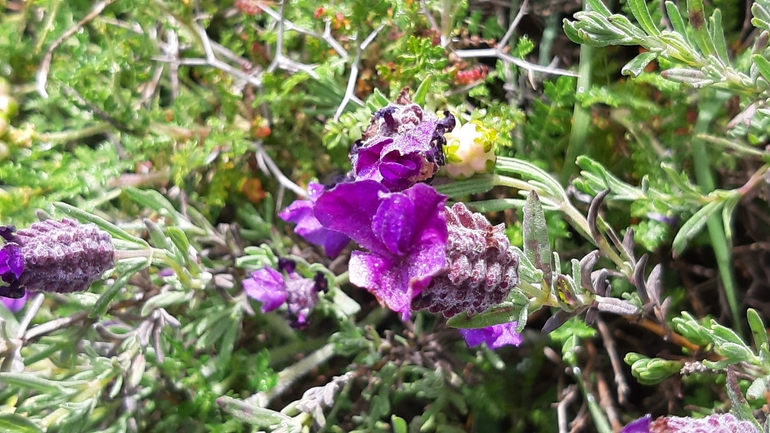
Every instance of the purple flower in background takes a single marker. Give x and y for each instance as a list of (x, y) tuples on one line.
[(402, 145), (53, 256), (15, 305), (268, 287), (272, 289), (495, 336), (717, 423), (302, 213), (405, 233)]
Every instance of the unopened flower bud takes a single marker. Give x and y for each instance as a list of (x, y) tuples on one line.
[(469, 150)]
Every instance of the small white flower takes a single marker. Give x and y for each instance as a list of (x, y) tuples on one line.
[(469, 150)]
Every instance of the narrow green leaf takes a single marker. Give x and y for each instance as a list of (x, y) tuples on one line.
[(637, 64), (258, 416), (694, 225), (154, 200), (676, 20), (399, 424), (419, 94), (718, 36), (642, 15), (163, 300), (763, 65), (761, 15), (598, 6), (740, 406), (31, 381), (103, 224), (133, 266), (727, 215), (504, 313), (14, 423), (537, 246), (699, 26)]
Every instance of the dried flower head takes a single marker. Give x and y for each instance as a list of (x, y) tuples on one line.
[(403, 145), (53, 256), (481, 267)]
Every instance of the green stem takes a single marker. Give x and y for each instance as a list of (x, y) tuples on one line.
[(64, 136), (581, 118), (720, 243)]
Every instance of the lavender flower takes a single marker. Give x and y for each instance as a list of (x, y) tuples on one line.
[(15, 305), (402, 146), (268, 287), (302, 213), (53, 256), (495, 336), (272, 289), (481, 267), (405, 233), (717, 423)]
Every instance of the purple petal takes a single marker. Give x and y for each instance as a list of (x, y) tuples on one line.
[(642, 425), (267, 286), (495, 336), (394, 223), (7, 232), (15, 305), (349, 208), (302, 297), (302, 213), (11, 260)]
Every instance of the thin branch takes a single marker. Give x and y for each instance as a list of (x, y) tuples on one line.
[(264, 160), (617, 366), (354, 72), (54, 325), (41, 78)]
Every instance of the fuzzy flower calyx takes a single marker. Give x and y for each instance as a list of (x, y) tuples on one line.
[(481, 267), (470, 150), (717, 423), (302, 213), (405, 234), (403, 145), (53, 256)]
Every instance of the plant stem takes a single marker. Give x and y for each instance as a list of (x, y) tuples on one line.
[(581, 118)]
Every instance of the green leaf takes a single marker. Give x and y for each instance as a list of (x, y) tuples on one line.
[(14, 423), (761, 13), (637, 64), (642, 15), (537, 246), (132, 266), (163, 300), (763, 65), (718, 36), (740, 407), (258, 416), (506, 312), (31, 381), (399, 424), (694, 225), (419, 94), (598, 6), (676, 20), (699, 26)]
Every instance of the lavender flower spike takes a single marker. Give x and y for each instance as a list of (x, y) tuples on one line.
[(495, 336), (402, 145), (53, 256), (717, 423), (405, 233), (302, 213)]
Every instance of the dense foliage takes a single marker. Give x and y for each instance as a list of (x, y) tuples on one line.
[(621, 146)]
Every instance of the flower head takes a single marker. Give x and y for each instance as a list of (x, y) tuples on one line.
[(717, 423), (481, 267), (53, 256), (405, 233), (402, 146), (495, 336), (301, 212), (273, 289)]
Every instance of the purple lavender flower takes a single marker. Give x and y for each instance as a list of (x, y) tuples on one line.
[(402, 145), (717, 423), (268, 287), (53, 256), (15, 305), (302, 213), (495, 336), (405, 233), (272, 289)]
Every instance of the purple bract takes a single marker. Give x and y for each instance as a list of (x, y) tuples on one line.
[(405, 233), (302, 213), (268, 287), (15, 305), (495, 336), (272, 289)]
